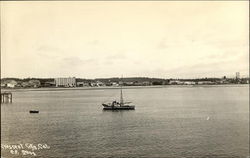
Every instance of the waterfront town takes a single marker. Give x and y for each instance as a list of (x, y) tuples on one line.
[(100, 82)]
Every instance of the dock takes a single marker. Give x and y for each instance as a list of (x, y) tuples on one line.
[(6, 97)]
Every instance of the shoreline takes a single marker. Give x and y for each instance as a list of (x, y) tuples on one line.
[(107, 87)]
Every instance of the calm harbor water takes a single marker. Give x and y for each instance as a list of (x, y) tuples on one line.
[(190, 121)]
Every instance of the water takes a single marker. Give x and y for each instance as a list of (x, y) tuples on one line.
[(201, 121)]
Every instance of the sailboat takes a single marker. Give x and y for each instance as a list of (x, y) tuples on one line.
[(114, 105)]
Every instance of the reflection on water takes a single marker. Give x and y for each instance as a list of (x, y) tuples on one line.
[(167, 122)]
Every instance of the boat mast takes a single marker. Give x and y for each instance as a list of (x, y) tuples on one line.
[(121, 97)]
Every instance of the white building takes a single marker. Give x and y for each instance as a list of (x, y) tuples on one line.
[(237, 75), (65, 82), (97, 84), (114, 84), (11, 84), (189, 83), (206, 82), (175, 82)]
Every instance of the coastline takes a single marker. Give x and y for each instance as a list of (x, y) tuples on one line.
[(108, 87)]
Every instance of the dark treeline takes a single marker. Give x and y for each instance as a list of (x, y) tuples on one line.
[(131, 79), (154, 81), (42, 80), (114, 79)]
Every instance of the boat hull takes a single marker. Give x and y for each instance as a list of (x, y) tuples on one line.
[(119, 108), (34, 111)]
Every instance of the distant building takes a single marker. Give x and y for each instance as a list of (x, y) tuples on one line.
[(11, 84), (244, 81), (49, 84), (3, 84), (137, 83), (25, 84), (99, 83), (175, 82), (237, 75), (189, 83), (146, 83), (65, 82), (34, 83), (114, 84), (82, 84), (206, 82), (128, 83), (223, 81)]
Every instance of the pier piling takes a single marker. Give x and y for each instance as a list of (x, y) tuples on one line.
[(6, 97)]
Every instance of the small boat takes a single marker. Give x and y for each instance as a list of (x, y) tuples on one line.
[(114, 105), (34, 111), (117, 106)]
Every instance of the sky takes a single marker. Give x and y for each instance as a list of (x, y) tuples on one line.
[(163, 39)]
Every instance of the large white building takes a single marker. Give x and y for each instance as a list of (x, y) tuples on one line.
[(65, 82)]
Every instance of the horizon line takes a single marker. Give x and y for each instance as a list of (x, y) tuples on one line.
[(231, 76)]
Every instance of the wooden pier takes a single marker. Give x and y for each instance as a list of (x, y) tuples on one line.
[(6, 97)]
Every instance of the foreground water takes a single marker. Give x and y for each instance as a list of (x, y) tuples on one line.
[(203, 121)]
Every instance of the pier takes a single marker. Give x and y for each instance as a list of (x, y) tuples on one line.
[(6, 97)]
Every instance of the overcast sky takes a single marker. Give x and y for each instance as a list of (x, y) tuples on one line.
[(163, 39)]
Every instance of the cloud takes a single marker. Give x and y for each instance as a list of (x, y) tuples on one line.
[(208, 69), (94, 42), (47, 51), (116, 57), (162, 44), (75, 61), (47, 48), (108, 62), (149, 40)]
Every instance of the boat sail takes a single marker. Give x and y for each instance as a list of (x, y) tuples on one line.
[(114, 105)]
